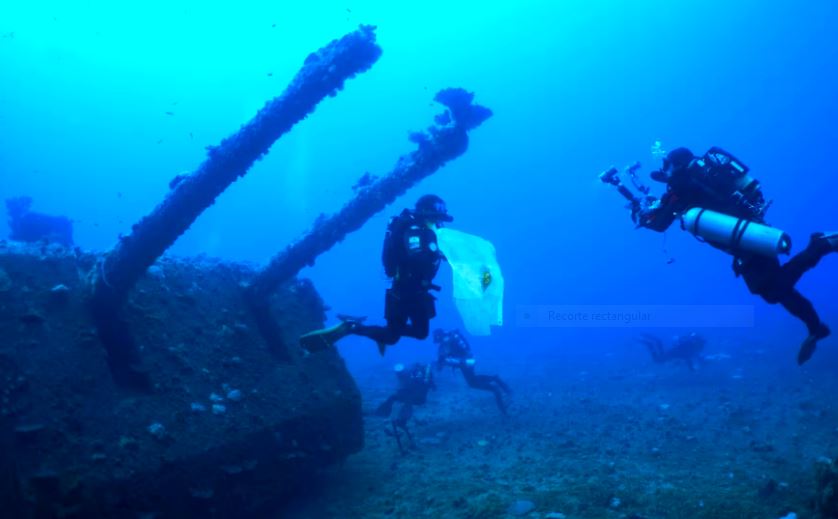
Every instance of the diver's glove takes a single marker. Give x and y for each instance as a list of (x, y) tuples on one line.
[(643, 208)]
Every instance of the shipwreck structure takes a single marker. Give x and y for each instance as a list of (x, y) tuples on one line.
[(224, 428), (134, 383), (322, 75)]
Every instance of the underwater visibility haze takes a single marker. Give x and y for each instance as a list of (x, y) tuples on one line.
[(370, 259)]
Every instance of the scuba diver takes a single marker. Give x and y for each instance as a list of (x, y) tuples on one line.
[(686, 348), (718, 201), (414, 384), (32, 227), (455, 351), (411, 260)]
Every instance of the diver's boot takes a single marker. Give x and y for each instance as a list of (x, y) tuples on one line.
[(807, 349), (825, 241)]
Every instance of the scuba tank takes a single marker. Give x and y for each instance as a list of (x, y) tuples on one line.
[(736, 234), (391, 250)]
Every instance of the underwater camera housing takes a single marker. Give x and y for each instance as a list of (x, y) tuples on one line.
[(610, 176), (638, 204)]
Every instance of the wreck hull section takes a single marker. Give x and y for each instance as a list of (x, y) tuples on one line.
[(226, 428)]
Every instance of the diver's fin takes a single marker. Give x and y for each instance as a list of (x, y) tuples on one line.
[(382, 347), (828, 240), (352, 318), (319, 340), (807, 349)]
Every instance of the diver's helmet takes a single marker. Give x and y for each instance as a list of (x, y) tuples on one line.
[(432, 208)]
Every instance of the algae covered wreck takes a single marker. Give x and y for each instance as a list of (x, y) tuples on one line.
[(134, 383)]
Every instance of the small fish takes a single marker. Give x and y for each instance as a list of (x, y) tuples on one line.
[(170, 113), (270, 74)]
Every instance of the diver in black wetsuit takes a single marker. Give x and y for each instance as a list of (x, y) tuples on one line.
[(30, 226), (411, 259), (702, 182), (687, 348), (455, 351), (414, 384)]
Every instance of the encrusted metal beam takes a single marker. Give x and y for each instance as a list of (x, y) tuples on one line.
[(322, 75)]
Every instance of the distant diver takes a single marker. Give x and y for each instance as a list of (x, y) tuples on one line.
[(32, 227), (411, 260), (686, 348), (716, 200), (414, 383), (454, 351)]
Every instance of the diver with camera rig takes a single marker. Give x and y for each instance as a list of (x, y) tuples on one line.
[(719, 202)]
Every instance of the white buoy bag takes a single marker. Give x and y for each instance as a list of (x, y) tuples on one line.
[(477, 279)]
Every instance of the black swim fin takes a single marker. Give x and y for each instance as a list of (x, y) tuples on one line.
[(832, 238), (827, 240), (807, 349)]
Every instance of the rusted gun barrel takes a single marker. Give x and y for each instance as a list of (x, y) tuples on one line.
[(446, 140), (322, 75)]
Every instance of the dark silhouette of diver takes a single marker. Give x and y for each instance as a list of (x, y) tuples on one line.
[(719, 182), (30, 226), (687, 348), (414, 384), (411, 260), (455, 351)]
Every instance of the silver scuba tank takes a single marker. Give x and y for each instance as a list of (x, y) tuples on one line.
[(736, 234)]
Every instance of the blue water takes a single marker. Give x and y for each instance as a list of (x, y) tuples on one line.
[(103, 105)]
